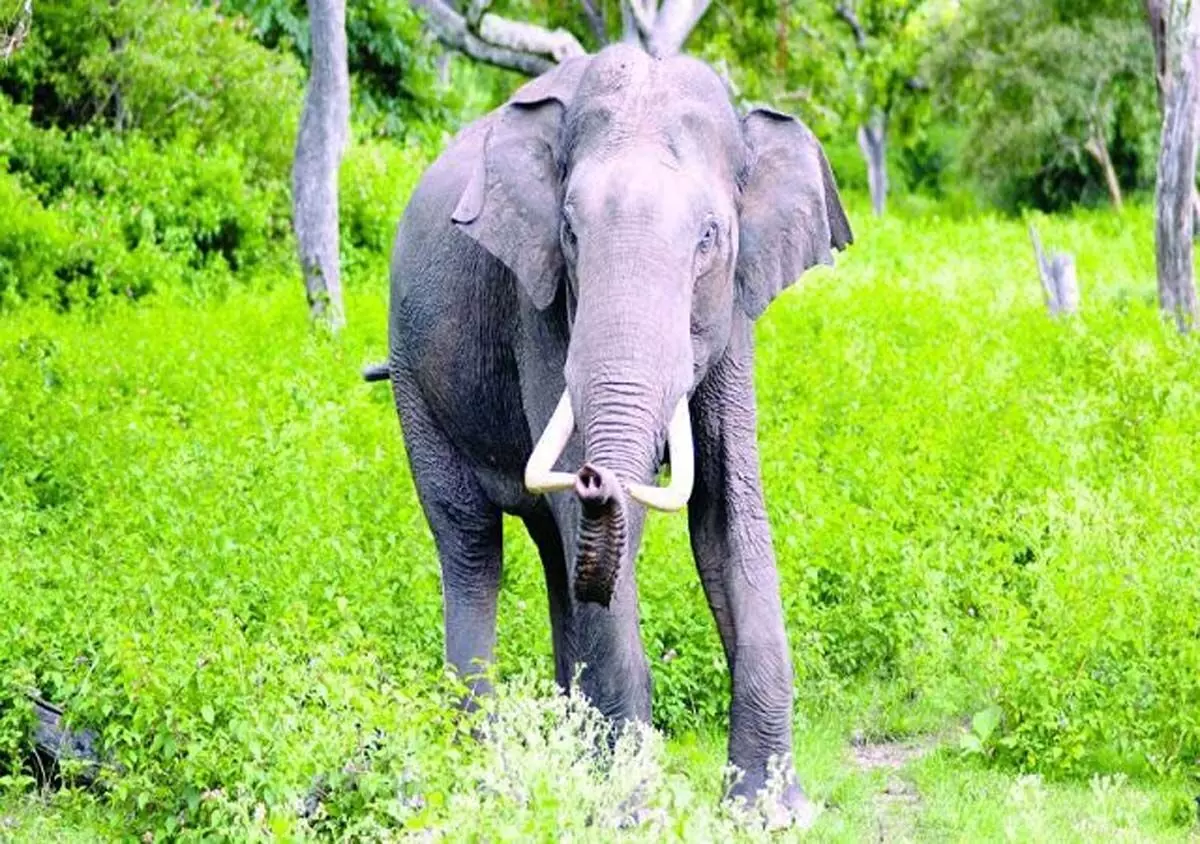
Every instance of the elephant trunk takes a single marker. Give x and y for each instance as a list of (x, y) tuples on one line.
[(621, 449), (603, 534), (617, 463), (628, 371)]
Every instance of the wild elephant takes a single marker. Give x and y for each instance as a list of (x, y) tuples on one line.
[(574, 283)]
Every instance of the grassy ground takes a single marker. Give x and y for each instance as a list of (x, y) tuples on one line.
[(210, 552), (896, 792)]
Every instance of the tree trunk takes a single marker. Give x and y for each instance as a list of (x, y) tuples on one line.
[(872, 140), (1177, 169), (324, 131), (1098, 148)]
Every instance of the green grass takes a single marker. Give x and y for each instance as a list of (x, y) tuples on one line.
[(211, 552)]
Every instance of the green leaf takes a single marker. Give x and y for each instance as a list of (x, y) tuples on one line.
[(985, 722)]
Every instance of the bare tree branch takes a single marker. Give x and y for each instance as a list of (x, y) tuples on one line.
[(846, 12), (523, 47), (596, 20), (10, 42), (674, 23), (643, 16), (533, 49), (529, 38), (1097, 147), (475, 10), (629, 28)]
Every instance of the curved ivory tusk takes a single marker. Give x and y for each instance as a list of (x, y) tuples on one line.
[(683, 471), (540, 476)]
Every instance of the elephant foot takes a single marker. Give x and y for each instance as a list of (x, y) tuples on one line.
[(790, 810), (776, 804)]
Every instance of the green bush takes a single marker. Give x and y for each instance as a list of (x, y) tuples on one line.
[(210, 550), (95, 214), (143, 146), (162, 68), (376, 180)]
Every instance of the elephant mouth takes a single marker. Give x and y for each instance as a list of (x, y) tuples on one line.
[(541, 478), (603, 541)]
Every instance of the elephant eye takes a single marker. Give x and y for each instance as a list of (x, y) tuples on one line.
[(709, 238)]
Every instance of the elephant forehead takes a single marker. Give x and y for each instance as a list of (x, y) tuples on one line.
[(614, 71), (689, 130), (626, 96), (640, 186)]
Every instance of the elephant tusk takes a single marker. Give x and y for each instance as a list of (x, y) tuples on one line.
[(675, 495), (540, 476)]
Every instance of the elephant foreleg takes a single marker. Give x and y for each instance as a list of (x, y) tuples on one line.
[(731, 541)]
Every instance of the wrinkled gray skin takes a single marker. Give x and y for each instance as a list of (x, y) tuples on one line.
[(614, 229)]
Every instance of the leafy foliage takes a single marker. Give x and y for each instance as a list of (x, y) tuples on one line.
[(1036, 82), (160, 68), (108, 214), (393, 63)]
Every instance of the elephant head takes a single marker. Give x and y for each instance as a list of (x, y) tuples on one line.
[(629, 186)]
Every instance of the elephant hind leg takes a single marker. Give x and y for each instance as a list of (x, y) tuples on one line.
[(543, 530), (603, 644), (466, 527)]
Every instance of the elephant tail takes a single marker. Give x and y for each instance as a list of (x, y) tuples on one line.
[(377, 372)]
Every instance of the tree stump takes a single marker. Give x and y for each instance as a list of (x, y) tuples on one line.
[(1057, 271)]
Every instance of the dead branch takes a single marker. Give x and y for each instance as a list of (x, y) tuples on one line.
[(533, 49), (643, 14), (846, 12), (10, 42), (674, 23), (524, 47), (596, 20)]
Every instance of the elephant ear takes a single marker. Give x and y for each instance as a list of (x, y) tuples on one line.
[(791, 215), (511, 205)]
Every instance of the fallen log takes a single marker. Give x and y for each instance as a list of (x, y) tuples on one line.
[(54, 744)]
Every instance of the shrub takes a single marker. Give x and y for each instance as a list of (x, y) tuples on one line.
[(96, 214), (161, 68)]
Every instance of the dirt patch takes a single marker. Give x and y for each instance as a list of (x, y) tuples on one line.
[(893, 755), (898, 804)]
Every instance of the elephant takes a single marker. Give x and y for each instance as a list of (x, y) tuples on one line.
[(574, 282)]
